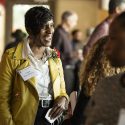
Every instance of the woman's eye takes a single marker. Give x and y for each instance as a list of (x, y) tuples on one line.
[(52, 25)]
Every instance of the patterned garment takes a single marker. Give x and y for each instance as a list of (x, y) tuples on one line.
[(96, 67), (108, 101)]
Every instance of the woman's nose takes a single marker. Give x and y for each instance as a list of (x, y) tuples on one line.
[(50, 30)]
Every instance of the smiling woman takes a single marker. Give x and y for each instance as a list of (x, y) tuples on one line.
[(33, 75)]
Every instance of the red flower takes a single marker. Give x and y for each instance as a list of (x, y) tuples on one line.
[(57, 52)]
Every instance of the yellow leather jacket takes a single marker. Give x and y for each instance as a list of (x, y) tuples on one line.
[(18, 99)]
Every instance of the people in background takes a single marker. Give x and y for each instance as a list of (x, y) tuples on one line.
[(77, 39), (95, 67), (115, 7), (31, 75), (62, 41), (17, 36), (77, 44), (107, 104)]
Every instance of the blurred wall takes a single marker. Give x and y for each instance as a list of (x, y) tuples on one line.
[(102, 14), (2, 29), (88, 11)]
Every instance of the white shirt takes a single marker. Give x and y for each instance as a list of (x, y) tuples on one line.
[(43, 82)]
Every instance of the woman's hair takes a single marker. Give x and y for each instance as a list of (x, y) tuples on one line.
[(97, 64), (36, 18), (92, 69), (96, 67)]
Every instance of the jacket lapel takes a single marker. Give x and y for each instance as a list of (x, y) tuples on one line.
[(53, 69), (31, 81), (25, 64)]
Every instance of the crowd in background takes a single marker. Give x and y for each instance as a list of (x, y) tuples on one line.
[(95, 70)]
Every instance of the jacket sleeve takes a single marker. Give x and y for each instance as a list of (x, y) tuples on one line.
[(5, 91), (62, 85)]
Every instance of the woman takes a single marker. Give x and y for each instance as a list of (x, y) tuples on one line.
[(107, 103), (31, 75), (96, 67)]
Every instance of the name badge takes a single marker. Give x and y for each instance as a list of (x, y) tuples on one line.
[(27, 73)]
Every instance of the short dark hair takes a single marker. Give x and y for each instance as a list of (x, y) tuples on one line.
[(66, 15), (36, 18), (113, 4)]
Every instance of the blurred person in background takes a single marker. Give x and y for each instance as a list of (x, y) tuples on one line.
[(115, 8), (98, 66), (31, 75), (77, 44), (63, 42), (17, 36), (107, 104), (77, 39), (95, 67)]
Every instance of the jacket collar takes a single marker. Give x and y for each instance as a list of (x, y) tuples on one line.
[(25, 62), (18, 51), (52, 63)]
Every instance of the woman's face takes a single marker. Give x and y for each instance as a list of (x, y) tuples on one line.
[(44, 38), (115, 47)]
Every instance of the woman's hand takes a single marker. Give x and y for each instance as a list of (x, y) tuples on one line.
[(59, 107)]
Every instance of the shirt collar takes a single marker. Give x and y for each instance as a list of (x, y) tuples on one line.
[(28, 52)]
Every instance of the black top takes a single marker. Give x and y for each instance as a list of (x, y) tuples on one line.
[(78, 117), (62, 42)]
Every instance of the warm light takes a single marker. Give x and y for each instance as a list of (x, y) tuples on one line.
[(41, 1), (2, 28), (104, 4), (19, 11)]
